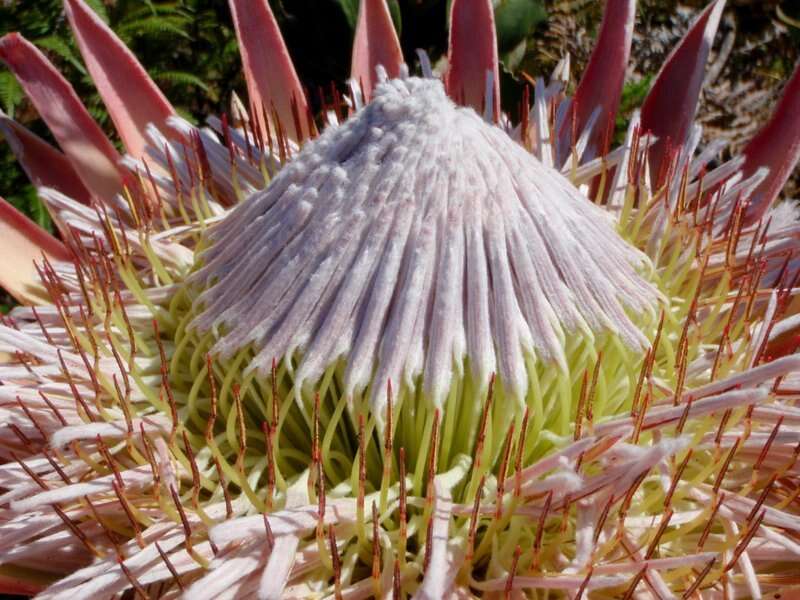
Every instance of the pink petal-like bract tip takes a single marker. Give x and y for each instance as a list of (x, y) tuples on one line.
[(376, 43), (132, 99), (272, 82), (84, 143), (776, 146), (601, 84), (473, 54), (669, 109), (44, 165)]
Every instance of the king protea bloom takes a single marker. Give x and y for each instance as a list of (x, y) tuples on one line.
[(405, 347)]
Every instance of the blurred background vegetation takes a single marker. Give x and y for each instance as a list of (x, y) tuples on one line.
[(189, 48)]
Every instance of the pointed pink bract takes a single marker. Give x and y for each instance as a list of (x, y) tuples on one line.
[(21, 243), (132, 99), (601, 84), (669, 109), (271, 79), (776, 146), (44, 165), (87, 148), (473, 54), (376, 43)]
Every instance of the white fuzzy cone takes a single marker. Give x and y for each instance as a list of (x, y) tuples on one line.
[(408, 239)]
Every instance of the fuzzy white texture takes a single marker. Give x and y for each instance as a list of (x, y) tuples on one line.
[(408, 239)]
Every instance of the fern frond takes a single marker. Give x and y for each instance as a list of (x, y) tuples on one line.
[(179, 79), (99, 7), (62, 49), (154, 27), (163, 9), (11, 93)]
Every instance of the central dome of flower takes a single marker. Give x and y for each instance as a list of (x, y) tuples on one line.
[(411, 242)]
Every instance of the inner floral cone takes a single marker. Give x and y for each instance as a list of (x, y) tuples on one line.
[(417, 245), (413, 295)]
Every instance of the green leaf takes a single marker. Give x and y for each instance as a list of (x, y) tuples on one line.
[(189, 117), (149, 9), (98, 7), (394, 9), (350, 9), (11, 93), (633, 94), (40, 214), (150, 6), (158, 26), (58, 46), (29, 203), (511, 60), (515, 20), (179, 78)]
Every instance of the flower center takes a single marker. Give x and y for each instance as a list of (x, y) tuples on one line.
[(364, 302)]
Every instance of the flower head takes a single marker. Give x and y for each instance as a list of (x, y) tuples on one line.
[(413, 237), (424, 351)]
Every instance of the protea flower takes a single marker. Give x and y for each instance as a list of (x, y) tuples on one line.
[(415, 350)]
